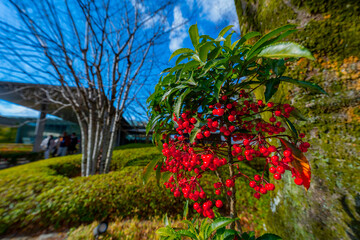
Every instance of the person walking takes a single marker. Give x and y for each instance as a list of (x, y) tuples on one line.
[(64, 144), (73, 143), (48, 145)]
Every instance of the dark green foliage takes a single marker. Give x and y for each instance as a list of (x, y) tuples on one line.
[(215, 229), (217, 67)]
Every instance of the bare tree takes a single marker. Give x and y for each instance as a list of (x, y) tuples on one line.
[(93, 51)]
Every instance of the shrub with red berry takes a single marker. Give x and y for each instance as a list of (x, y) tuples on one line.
[(213, 111)]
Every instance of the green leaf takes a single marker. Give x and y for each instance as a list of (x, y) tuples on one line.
[(196, 58), (248, 236), (186, 209), (165, 176), (245, 38), (227, 42), (298, 115), (180, 51), (214, 53), (234, 44), (285, 50), (193, 134), (179, 102), (266, 37), (182, 57), (165, 70), (229, 234), (204, 50), (211, 64), (151, 124), (269, 236), (271, 88), (219, 223), (291, 127), (166, 94), (166, 221), (224, 30), (148, 170), (218, 85), (310, 85), (219, 39), (190, 65), (194, 35), (187, 233), (158, 173), (166, 232)]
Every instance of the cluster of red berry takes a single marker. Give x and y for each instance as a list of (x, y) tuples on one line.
[(242, 135)]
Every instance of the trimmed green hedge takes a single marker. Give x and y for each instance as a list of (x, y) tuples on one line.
[(49, 194), (40, 195)]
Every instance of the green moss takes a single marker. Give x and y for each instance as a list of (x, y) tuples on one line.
[(330, 209), (329, 23)]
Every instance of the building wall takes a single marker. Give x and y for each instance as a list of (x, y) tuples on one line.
[(26, 133)]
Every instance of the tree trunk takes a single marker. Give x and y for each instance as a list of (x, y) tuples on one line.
[(113, 131), (330, 208), (90, 144)]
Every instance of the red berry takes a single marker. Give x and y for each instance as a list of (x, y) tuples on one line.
[(278, 113), (177, 193), (298, 181), (272, 119), (246, 142), (287, 153), (196, 206), (270, 186), (219, 204), (224, 98), (257, 195), (229, 106), (193, 120), (272, 149), (272, 169), (252, 184), (257, 177), (207, 133), (263, 190), (220, 112), (229, 193), (270, 104), (202, 195), (218, 192), (280, 169), (231, 118), (229, 183), (277, 176)]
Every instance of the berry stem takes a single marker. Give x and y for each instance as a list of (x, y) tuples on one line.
[(232, 189)]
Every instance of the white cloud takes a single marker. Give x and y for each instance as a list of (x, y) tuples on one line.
[(178, 35), (219, 10), (146, 15)]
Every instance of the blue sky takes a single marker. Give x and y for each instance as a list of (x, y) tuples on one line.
[(210, 15)]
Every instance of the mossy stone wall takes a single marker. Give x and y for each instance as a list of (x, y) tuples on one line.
[(331, 30)]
